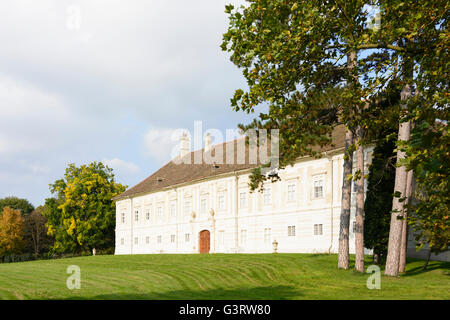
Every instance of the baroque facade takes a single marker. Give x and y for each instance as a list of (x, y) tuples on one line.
[(208, 208)]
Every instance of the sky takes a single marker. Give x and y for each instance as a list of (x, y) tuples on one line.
[(107, 80)]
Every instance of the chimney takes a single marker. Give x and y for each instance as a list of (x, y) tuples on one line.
[(185, 145), (208, 142)]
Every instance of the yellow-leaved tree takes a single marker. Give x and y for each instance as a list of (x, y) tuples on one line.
[(81, 216), (11, 232)]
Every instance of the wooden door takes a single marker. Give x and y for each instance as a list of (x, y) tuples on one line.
[(204, 241)]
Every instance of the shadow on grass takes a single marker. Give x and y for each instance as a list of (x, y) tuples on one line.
[(257, 293), (433, 265)]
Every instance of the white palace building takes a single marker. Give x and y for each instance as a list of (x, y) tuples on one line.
[(208, 208)]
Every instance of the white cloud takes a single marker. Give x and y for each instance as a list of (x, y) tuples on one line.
[(75, 95), (22, 100), (122, 166), (162, 144)]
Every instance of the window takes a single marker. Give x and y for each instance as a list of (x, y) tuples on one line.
[(318, 187), (172, 238), (317, 229), (354, 226), (173, 209), (243, 200), (267, 235), (291, 231), (136, 239), (221, 201), (122, 241), (136, 215), (147, 214), (160, 213), (243, 236), (159, 239), (187, 237), (123, 217), (147, 240), (267, 196), (203, 205), (221, 237), (291, 190), (187, 207)]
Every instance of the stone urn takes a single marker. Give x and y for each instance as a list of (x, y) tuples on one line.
[(275, 246)]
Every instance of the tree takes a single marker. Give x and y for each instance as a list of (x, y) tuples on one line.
[(35, 230), (82, 216), (404, 243), (378, 204), (420, 29), (11, 232), (428, 154), (23, 205), (291, 54)]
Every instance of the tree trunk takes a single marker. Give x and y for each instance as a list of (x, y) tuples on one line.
[(404, 244), (359, 232), (427, 261), (343, 255), (344, 249), (395, 232)]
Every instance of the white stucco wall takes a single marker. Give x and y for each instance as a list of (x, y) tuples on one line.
[(302, 212)]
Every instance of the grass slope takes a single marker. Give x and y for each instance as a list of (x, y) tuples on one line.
[(216, 276)]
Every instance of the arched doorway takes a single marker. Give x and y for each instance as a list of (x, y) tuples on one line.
[(204, 240)]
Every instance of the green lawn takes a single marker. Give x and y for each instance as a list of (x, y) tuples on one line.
[(216, 276)]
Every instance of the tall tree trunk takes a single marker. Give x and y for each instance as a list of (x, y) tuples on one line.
[(395, 232), (343, 255), (404, 244), (344, 230), (427, 261), (359, 233)]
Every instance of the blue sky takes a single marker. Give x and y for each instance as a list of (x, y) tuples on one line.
[(107, 80)]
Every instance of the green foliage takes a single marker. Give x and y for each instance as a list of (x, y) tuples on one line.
[(291, 54), (23, 205), (82, 215), (429, 158), (378, 203)]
